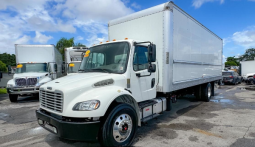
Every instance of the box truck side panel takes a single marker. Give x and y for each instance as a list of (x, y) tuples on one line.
[(197, 52), (34, 53), (145, 28), (247, 67)]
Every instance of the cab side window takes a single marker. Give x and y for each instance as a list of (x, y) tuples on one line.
[(140, 61)]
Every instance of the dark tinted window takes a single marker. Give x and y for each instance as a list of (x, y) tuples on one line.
[(227, 74), (140, 61)]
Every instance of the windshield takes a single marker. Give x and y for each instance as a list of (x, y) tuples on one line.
[(75, 68), (111, 58), (32, 67), (227, 74)]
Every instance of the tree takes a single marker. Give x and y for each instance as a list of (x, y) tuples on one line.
[(230, 63), (231, 60), (248, 55), (64, 43), (2, 66), (8, 59)]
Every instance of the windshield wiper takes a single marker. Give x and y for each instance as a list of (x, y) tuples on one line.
[(81, 70), (100, 69)]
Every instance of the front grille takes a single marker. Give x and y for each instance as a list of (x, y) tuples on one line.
[(21, 82), (26, 82), (51, 100), (31, 81)]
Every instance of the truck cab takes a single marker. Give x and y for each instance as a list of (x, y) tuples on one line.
[(116, 72)]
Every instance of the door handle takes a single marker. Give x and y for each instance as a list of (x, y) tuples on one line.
[(152, 82)]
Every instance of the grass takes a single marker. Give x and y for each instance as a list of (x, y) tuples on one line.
[(3, 91)]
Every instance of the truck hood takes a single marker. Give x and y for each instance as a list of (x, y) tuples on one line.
[(30, 74), (83, 81), (249, 74)]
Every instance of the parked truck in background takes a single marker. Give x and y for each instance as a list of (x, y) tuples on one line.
[(247, 71), (36, 65), (152, 57), (73, 58)]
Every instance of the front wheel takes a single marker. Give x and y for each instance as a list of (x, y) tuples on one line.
[(120, 126), (13, 97), (207, 92)]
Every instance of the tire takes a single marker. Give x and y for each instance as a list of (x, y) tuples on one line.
[(197, 93), (206, 92), (13, 97), (110, 134)]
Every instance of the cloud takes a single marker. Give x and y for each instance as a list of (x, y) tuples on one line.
[(92, 16), (19, 19), (245, 38), (135, 5), (41, 38), (199, 3), (96, 10), (79, 38)]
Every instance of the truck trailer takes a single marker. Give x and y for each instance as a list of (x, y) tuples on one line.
[(36, 65), (247, 71), (152, 57), (73, 58)]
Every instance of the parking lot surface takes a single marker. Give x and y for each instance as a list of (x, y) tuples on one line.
[(227, 120)]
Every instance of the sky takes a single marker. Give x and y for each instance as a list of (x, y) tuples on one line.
[(46, 21)]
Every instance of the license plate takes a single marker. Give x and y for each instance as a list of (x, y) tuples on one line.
[(46, 125)]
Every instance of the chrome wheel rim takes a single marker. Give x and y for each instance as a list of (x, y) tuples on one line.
[(209, 92), (122, 127)]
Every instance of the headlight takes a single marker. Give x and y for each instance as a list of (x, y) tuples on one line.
[(87, 105), (9, 85), (103, 83)]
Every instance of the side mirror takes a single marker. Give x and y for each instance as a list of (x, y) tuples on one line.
[(9, 69), (152, 52), (152, 68), (55, 67)]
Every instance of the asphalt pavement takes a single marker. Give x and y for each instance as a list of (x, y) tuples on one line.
[(227, 120), (5, 79)]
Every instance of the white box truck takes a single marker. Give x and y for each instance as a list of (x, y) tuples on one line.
[(154, 55), (36, 65), (73, 58), (247, 71)]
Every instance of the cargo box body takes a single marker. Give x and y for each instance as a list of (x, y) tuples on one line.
[(188, 53), (247, 67)]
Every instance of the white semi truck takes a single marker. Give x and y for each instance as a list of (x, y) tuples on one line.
[(73, 58), (248, 70), (36, 65), (154, 55)]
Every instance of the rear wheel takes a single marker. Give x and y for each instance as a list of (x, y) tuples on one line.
[(206, 92), (120, 126), (13, 97)]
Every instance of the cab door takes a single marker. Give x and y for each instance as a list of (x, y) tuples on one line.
[(142, 82)]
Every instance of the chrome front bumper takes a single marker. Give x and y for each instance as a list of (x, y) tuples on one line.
[(23, 90)]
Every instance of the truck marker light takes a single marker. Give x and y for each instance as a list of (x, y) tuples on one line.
[(19, 66), (87, 53), (71, 65), (101, 42), (126, 38), (114, 40), (107, 41)]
